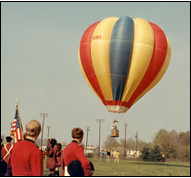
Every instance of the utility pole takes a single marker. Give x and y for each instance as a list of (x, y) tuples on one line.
[(43, 115), (48, 131), (99, 121), (87, 129), (136, 136), (125, 151)]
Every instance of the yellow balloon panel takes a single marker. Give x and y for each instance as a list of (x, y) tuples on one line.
[(141, 56), (100, 47)]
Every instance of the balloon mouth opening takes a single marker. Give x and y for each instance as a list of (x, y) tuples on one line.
[(117, 109)]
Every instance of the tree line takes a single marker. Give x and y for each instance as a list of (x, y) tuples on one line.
[(165, 145)]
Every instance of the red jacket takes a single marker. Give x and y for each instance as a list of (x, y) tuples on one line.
[(51, 158), (58, 157), (4, 152), (26, 159), (74, 151)]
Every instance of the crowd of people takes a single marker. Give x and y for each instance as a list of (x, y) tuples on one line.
[(24, 158), (108, 156)]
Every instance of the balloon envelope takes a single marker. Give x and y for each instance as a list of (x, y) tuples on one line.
[(122, 59)]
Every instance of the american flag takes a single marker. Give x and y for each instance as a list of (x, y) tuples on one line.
[(16, 128)]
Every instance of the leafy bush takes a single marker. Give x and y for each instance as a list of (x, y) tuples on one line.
[(153, 154)]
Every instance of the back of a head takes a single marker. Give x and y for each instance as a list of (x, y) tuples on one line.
[(53, 141), (77, 133), (59, 146), (33, 128), (8, 139)]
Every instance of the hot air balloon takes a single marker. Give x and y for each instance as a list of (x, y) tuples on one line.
[(122, 59)]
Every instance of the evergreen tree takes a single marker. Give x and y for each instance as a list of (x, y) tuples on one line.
[(153, 154), (145, 153), (156, 154)]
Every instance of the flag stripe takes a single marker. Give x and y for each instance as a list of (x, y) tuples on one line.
[(16, 128)]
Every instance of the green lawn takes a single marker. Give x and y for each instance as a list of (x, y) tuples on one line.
[(137, 168)]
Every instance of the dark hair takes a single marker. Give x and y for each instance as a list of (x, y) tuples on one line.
[(77, 133), (59, 145), (53, 141), (8, 139)]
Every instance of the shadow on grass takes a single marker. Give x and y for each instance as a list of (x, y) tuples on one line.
[(162, 164)]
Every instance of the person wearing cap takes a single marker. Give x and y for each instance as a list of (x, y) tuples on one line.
[(26, 157), (6, 154), (74, 151)]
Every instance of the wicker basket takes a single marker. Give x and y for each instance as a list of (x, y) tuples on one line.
[(114, 133)]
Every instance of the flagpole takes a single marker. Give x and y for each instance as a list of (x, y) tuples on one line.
[(19, 119), (16, 127), (16, 103)]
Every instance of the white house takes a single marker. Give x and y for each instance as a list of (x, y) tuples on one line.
[(133, 153), (90, 149)]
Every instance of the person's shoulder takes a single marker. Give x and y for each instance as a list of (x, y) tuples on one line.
[(35, 150), (67, 146), (76, 146), (3, 148), (18, 143), (73, 144), (79, 146), (28, 144)]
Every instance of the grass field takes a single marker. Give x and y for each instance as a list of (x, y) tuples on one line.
[(137, 168)]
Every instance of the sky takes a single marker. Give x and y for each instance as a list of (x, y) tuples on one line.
[(39, 67)]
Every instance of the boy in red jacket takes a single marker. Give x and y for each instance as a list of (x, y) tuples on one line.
[(74, 151), (6, 154), (26, 158)]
